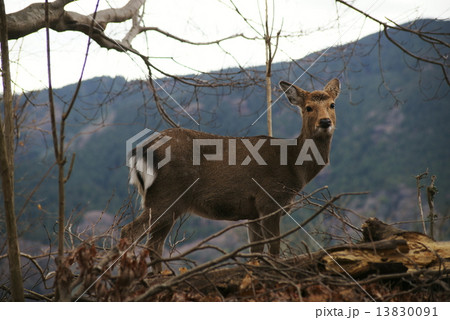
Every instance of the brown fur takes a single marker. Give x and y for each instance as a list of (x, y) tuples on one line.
[(319, 96)]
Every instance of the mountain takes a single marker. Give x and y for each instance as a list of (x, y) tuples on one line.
[(386, 135)]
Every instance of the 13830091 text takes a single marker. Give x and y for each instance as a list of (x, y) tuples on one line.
[(380, 312)]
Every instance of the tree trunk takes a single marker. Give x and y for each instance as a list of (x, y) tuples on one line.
[(7, 166), (269, 59)]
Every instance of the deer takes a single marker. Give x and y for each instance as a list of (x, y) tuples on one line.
[(249, 178)]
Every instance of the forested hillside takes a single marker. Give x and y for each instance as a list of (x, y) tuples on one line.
[(391, 126)]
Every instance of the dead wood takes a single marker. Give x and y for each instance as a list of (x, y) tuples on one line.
[(390, 264), (386, 253)]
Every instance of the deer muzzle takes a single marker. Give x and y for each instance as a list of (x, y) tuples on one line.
[(325, 123)]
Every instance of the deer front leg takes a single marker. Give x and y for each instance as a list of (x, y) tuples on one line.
[(255, 234), (271, 229)]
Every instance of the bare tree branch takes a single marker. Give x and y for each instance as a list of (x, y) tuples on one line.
[(427, 37), (168, 34), (32, 19), (35, 17)]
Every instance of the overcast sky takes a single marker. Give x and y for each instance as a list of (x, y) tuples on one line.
[(321, 23)]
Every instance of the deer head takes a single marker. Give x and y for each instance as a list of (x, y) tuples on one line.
[(317, 107)]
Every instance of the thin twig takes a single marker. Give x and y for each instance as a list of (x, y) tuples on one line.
[(419, 198)]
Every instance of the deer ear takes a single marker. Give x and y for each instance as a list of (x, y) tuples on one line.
[(333, 88), (295, 95)]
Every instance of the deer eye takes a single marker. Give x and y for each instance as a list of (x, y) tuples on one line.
[(308, 108), (332, 106)]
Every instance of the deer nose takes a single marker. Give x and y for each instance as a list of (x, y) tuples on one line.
[(325, 123)]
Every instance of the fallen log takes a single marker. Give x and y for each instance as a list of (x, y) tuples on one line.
[(394, 251)]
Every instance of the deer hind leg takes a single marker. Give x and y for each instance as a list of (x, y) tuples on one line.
[(154, 225), (136, 229), (160, 228), (162, 220)]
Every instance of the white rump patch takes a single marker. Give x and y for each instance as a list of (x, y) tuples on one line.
[(133, 173), (140, 167)]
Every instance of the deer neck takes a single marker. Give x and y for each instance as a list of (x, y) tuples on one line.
[(309, 169)]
